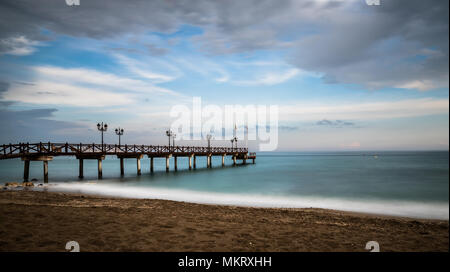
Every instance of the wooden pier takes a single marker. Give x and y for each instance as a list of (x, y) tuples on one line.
[(46, 151)]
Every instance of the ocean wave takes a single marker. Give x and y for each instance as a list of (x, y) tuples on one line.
[(382, 207)]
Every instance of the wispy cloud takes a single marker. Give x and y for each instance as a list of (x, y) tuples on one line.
[(52, 93), (157, 51), (365, 111), (421, 85), (270, 78), (340, 47), (32, 125), (203, 67), (19, 46), (143, 70), (82, 87), (336, 123), (94, 77), (351, 145)]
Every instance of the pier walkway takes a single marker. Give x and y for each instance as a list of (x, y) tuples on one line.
[(46, 151)]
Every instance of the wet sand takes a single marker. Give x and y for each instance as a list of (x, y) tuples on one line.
[(44, 221)]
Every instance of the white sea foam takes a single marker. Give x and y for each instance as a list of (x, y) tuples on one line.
[(385, 207)]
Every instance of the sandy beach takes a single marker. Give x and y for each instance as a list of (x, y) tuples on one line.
[(44, 221)]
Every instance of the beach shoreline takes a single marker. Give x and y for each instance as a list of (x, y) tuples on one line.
[(380, 207), (45, 221)]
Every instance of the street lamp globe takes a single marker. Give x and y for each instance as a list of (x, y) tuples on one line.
[(102, 128), (119, 131)]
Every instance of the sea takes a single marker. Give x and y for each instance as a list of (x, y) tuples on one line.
[(410, 184)]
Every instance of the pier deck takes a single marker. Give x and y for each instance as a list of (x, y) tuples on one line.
[(46, 151)]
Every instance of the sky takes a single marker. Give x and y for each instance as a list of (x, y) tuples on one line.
[(344, 75)]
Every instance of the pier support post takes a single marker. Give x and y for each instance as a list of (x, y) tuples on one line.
[(100, 173), (138, 164), (234, 160), (43, 158), (208, 161), (223, 160), (167, 164), (45, 171), (195, 161), (151, 164), (244, 161), (80, 170), (122, 168), (175, 163), (26, 170), (190, 162), (253, 161)]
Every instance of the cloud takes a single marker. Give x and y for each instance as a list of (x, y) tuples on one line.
[(93, 19), (31, 125), (364, 111), (398, 44), (336, 123), (144, 70), (351, 145), (215, 42), (286, 128), (94, 77), (421, 85), (3, 86), (52, 93), (204, 67), (157, 51), (81, 87), (270, 78), (18, 45)]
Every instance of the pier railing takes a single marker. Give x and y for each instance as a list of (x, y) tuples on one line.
[(10, 151), (46, 151)]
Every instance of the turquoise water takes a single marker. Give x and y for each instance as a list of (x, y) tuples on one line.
[(398, 183)]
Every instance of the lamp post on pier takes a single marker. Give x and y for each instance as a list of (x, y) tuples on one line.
[(169, 134), (119, 131), (102, 128), (234, 139)]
